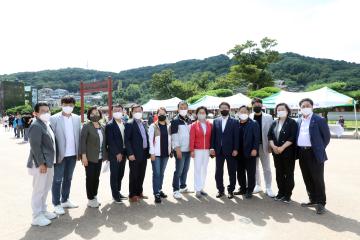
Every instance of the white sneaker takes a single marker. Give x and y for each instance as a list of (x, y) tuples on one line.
[(93, 203), (59, 210), (50, 215), (69, 204), (177, 195), (183, 190), (40, 221), (257, 189), (270, 193)]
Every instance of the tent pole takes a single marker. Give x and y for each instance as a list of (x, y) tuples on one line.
[(356, 134)]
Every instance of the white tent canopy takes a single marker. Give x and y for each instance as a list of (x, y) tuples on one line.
[(323, 98), (170, 104), (211, 102)]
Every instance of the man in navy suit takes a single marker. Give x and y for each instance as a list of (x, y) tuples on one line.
[(312, 138), (115, 133), (137, 149), (224, 145)]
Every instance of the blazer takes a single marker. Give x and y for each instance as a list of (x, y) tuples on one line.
[(228, 141), (199, 139), (41, 145), (114, 139), (319, 136), (134, 141), (57, 123), (266, 121), (251, 138), (90, 142), (288, 133)]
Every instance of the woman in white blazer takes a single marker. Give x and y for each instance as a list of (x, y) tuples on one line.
[(160, 150)]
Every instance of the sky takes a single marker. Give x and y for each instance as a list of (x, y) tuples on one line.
[(115, 35)]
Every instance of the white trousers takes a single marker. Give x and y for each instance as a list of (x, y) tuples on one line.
[(264, 157), (200, 168), (42, 183)]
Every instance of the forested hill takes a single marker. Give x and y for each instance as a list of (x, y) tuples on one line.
[(297, 71)]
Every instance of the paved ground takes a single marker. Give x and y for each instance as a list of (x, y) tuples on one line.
[(190, 218)]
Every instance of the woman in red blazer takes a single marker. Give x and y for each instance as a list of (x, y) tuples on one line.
[(200, 137)]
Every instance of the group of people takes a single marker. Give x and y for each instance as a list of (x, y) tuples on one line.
[(19, 123), (244, 142)]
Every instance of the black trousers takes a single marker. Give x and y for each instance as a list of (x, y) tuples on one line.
[(92, 171), (219, 172), (313, 175), (284, 174), (246, 167), (137, 175), (117, 170)]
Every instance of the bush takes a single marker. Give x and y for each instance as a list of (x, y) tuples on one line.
[(22, 109), (215, 93), (263, 92)]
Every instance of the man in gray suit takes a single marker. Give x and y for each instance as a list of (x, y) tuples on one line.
[(40, 163), (264, 120), (67, 127)]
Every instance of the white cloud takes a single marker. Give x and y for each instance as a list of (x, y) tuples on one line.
[(117, 35)]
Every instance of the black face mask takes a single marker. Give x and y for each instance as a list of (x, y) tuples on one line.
[(224, 112), (257, 109), (95, 118), (162, 118)]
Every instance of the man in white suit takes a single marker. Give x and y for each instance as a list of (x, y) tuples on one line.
[(67, 128), (264, 120)]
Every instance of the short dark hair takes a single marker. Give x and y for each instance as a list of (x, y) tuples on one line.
[(40, 104), (91, 109), (306, 100), (244, 106), (256, 100), (202, 107), (285, 105), (224, 103), (117, 106), (161, 108), (68, 100), (183, 102)]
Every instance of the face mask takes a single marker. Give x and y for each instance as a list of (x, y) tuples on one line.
[(306, 111), (243, 116), (45, 117), (257, 109), (281, 114), (162, 118), (95, 118), (201, 116), (138, 115), (224, 112), (117, 115), (183, 112), (67, 109)]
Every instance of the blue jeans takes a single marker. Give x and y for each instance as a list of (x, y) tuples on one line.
[(158, 167), (63, 173), (181, 170)]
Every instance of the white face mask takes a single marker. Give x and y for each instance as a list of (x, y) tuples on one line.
[(45, 117), (281, 114), (243, 116), (67, 109), (183, 112), (138, 115), (201, 116), (117, 115), (306, 111)]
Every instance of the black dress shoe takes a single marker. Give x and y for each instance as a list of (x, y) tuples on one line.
[(220, 194), (248, 195), (230, 195), (286, 199), (157, 198), (118, 201), (320, 209), (163, 195), (122, 197), (240, 192), (308, 204), (279, 197)]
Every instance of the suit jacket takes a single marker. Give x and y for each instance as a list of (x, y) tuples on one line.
[(288, 133), (251, 138), (58, 125), (114, 140), (226, 141), (319, 136), (41, 145), (134, 141), (266, 121), (90, 143)]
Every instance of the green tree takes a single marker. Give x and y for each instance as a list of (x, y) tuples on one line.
[(132, 93), (161, 84)]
